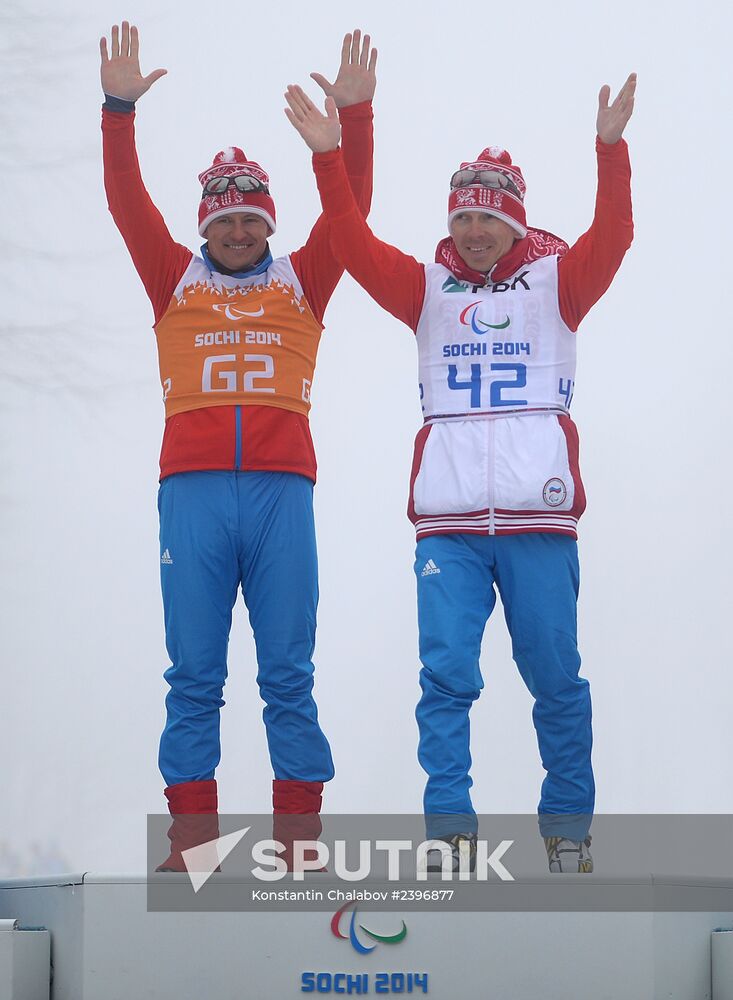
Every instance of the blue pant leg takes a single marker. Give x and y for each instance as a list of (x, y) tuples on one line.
[(280, 586), (199, 579), (538, 579), (455, 596)]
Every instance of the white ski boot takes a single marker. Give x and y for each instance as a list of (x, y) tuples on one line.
[(569, 855)]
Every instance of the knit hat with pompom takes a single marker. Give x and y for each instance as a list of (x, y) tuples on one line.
[(493, 184), (228, 164)]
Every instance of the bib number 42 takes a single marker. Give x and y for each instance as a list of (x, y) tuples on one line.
[(496, 386)]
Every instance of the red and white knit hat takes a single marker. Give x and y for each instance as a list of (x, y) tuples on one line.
[(505, 200), (232, 162)]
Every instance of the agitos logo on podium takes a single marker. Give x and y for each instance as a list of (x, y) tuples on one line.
[(352, 935)]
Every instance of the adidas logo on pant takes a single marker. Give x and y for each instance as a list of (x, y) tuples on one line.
[(429, 568), (166, 558)]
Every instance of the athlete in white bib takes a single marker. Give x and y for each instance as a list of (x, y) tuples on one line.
[(495, 491)]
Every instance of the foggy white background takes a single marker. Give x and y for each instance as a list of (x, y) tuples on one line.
[(81, 689)]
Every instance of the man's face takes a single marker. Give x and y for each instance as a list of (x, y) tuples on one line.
[(237, 240), (481, 239)]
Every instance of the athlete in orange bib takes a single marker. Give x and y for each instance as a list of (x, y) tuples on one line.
[(237, 335)]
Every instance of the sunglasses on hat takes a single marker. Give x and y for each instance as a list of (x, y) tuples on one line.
[(243, 182), (486, 178)]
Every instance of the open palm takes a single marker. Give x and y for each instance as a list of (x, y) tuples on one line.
[(320, 132), (612, 120), (357, 79), (121, 76)]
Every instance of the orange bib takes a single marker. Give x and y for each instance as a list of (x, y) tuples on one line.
[(226, 340)]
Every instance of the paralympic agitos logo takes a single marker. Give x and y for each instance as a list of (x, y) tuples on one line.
[(352, 935), (469, 317)]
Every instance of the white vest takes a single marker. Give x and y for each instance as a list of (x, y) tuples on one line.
[(498, 453)]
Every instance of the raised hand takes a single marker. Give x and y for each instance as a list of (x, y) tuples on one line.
[(357, 79), (121, 75), (320, 132), (612, 120)]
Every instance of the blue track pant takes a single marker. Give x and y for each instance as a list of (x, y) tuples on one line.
[(537, 577), (220, 531)]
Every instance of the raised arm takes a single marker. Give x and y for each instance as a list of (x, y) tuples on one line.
[(588, 268), (352, 92), (158, 259), (394, 279)]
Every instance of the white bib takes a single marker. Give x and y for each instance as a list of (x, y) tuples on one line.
[(486, 350)]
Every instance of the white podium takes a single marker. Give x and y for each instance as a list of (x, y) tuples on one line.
[(107, 946), (25, 962)]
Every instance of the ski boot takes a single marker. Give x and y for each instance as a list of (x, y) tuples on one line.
[(569, 855), (462, 845), (296, 807), (193, 809)]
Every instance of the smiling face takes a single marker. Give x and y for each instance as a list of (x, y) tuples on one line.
[(481, 239), (237, 240)]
